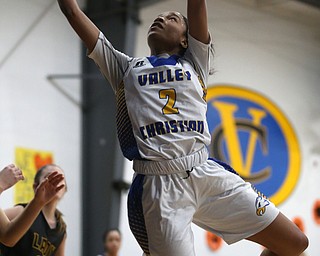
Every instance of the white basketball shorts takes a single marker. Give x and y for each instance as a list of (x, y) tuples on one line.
[(161, 208)]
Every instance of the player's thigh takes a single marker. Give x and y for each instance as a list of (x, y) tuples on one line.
[(282, 236), (170, 236), (168, 209), (229, 206)]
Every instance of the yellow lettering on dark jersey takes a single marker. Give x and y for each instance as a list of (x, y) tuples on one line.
[(42, 245)]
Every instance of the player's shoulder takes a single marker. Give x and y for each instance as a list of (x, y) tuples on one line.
[(138, 62)]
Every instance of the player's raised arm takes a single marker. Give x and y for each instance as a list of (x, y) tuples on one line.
[(82, 25), (198, 21)]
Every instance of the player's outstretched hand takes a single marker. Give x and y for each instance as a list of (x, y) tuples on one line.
[(49, 187), (9, 176)]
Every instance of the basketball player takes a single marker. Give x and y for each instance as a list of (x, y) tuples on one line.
[(47, 234), (12, 231), (162, 127)]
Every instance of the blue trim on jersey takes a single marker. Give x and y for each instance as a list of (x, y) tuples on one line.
[(128, 143), (135, 213), (157, 62)]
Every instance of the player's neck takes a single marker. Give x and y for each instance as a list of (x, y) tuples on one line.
[(157, 52), (111, 254), (50, 209)]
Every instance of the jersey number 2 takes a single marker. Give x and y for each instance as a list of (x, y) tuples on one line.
[(170, 95)]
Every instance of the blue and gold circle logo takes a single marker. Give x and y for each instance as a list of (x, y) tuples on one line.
[(250, 133)]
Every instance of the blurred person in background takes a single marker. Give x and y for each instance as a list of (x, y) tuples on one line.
[(111, 242)]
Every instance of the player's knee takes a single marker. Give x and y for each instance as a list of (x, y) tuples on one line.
[(300, 244), (297, 246), (304, 242)]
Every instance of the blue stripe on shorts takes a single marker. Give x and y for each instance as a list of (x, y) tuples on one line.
[(135, 213)]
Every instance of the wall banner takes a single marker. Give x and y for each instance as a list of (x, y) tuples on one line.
[(251, 133), (29, 161)]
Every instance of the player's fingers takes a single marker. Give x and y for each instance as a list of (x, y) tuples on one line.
[(43, 183), (59, 187), (57, 179), (20, 174), (11, 165), (52, 175)]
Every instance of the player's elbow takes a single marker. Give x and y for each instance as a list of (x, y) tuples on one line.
[(8, 237), (70, 11), (7, 241)]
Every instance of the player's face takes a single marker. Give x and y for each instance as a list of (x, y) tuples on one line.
[(167, 33), (49, 170)]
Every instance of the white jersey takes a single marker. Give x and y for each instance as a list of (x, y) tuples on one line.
[(162, 117), (160, 99)]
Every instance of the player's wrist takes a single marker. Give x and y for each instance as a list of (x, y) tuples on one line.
[(2, 187), (37, 201)]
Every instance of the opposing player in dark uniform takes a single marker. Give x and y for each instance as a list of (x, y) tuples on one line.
[(162, 127), (47, 234), (12, 231)]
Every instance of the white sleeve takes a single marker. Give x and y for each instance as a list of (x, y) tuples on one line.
[(111, 62), (201, 55)]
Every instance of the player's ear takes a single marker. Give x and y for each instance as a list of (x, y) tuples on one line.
[(184, 43)]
